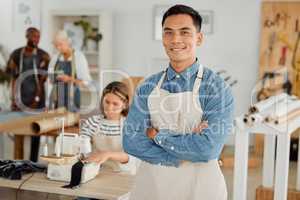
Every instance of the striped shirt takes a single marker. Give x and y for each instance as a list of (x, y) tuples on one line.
[(96, 125)]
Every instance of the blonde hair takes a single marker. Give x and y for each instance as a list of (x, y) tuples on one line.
[(62, 35)]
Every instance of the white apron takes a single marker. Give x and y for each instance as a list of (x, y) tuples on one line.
[(180, 112), (109, 143)]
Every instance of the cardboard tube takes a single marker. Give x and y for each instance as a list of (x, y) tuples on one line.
[(50, 124), (21, 125), (262, 105), (283, 109), (247, 120), (290, 106), (256, 118), (290, 116)]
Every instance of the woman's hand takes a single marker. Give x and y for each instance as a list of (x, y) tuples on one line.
[(64, 78), (98, 157), (200, 127)]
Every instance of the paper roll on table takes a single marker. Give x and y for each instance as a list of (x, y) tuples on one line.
[(50, 124), (20, 124)]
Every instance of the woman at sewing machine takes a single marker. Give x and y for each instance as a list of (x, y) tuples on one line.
[(106, 130)]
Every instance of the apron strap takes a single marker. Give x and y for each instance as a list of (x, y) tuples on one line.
[(198, 79), (73, 75), (122, 120), (161, 79), (196, 84), (35, 68)]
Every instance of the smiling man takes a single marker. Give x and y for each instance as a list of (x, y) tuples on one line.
[(179, 120)]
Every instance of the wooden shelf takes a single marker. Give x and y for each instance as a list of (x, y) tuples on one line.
[(91, 53)]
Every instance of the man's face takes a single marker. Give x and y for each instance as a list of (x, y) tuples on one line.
[(180, 38), (33, 39)]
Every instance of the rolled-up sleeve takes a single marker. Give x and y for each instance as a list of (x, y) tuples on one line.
[(218, 107)]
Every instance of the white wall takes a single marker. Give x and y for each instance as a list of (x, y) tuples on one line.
[(234, 44)]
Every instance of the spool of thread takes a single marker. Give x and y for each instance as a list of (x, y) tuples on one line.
[(45, 150)]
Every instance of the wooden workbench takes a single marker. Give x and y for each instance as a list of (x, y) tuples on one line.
[(107, 185)]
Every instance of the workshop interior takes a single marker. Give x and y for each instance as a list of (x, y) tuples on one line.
[(150, 100)]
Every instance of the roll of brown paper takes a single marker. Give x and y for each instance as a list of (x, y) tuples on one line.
[(50, 124), (22, 125), (283, 110), (290, 116)]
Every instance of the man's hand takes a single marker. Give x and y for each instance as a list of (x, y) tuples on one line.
[(151, 133), (200, 127)]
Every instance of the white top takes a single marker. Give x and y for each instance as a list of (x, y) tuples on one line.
[(82, 70)]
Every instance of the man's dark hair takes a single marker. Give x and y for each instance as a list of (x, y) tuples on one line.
[(183, 9), (30, 30)]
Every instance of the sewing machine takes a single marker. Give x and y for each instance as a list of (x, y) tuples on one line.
[(69, 148)]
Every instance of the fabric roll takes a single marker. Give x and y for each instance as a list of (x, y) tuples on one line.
[(262, 105), (50, 124)]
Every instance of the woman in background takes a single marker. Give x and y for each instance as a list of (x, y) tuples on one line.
[(106, 130), (68, 71)]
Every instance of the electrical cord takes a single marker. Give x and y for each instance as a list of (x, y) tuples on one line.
[(19, 187)]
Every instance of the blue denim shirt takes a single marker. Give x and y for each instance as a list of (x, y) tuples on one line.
[(169, 147)]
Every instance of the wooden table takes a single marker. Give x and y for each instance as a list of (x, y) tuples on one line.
[(18, 124), (107, 185)]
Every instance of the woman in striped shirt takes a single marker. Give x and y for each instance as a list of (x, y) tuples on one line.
[(106, 129)]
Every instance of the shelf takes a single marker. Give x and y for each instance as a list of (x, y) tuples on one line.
[(96, 57), (91, 53)]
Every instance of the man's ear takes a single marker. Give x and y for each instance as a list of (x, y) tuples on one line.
[(199, 38)]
